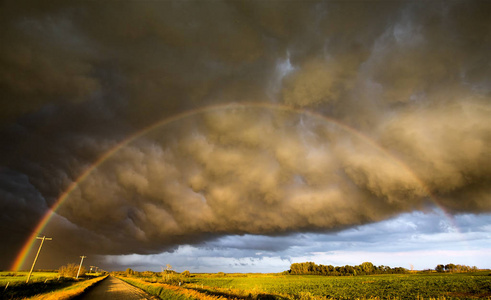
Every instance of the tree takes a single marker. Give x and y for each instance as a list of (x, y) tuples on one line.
[(367, 267), (349, 270), (71, 270), (129, 272), (440, 268), (186, 273), (449, 267)]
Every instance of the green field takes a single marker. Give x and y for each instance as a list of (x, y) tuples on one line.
[(421, 285), (43, 284), (16, 277), (409, 286)]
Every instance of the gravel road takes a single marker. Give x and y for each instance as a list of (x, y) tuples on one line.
[(115, 289)]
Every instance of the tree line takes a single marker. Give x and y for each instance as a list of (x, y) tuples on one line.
[(366, 268), (451, 268), (163, 273)]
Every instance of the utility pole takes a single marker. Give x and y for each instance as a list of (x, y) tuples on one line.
[(78, 273), (36, 258)]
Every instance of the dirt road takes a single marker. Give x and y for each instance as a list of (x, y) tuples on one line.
[(113, 288)]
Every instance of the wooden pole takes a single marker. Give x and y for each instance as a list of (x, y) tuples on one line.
[(36, 258), (80, 265)]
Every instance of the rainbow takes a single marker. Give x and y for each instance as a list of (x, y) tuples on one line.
[(22, 255)]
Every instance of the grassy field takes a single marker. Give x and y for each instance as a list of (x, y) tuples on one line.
[(408, 286), (42, 285), (16, 277), (163, 291)]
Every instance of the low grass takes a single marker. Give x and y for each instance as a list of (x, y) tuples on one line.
[(168, 292)]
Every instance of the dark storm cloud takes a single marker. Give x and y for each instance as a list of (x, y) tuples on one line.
[(20, 208), (15, 185), (78, 78)]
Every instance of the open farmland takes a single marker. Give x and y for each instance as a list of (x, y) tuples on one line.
[(450, 286), (475, 285)]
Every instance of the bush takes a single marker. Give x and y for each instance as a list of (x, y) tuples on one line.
[(71, 270)]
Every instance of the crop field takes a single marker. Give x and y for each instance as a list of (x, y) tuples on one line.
[(476, 285), (408, 286)]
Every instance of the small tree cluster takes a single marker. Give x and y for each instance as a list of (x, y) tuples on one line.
[(71, 270), (452, 268), (366, 268)]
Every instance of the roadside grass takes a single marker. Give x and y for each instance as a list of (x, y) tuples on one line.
[(169, 292), (229, 293), (69, 292), (49, 288), (23, 290)]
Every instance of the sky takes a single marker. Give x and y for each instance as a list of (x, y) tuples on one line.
[(243, 136)]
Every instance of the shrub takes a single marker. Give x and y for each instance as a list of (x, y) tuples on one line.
[(71, 270)]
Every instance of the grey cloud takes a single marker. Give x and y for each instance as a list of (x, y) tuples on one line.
[(406, 233), (254, 243)]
